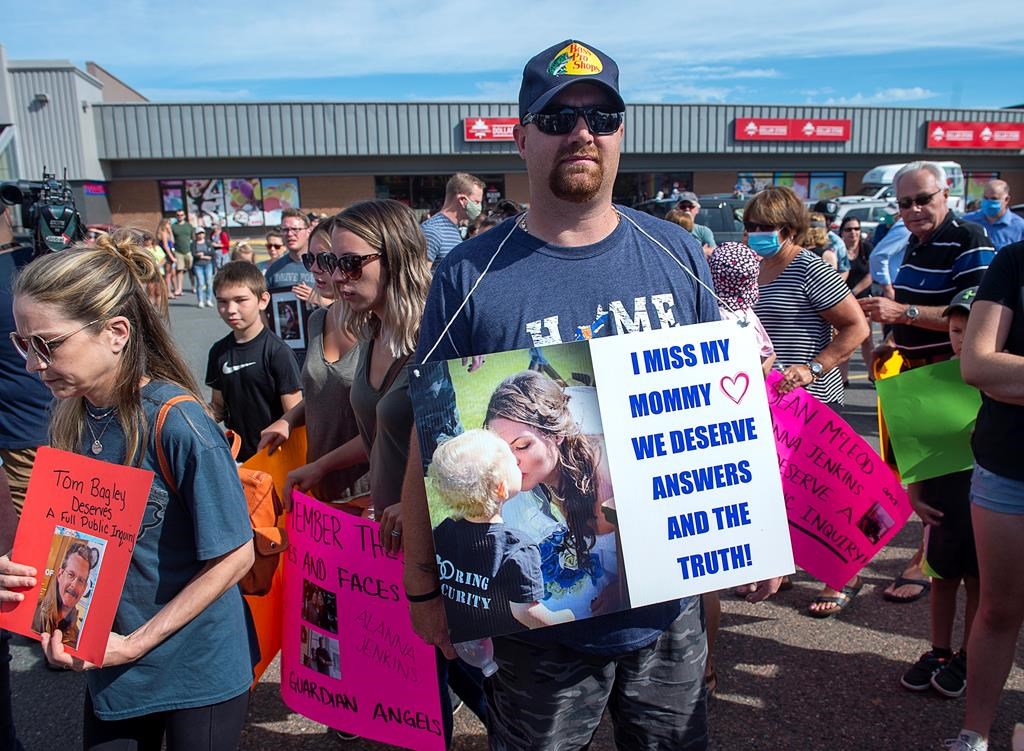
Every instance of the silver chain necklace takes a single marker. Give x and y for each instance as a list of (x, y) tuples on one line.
[(97, 446)]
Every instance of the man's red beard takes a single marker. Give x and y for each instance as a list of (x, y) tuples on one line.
[(577, 182)]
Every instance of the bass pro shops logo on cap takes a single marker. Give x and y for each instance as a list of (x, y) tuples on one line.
[(563, 65), (575, 60)]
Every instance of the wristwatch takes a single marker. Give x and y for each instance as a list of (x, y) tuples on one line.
[(816, 369), (912, 313)]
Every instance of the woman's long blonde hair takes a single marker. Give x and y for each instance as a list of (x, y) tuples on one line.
[(97, 283), (390, 228)]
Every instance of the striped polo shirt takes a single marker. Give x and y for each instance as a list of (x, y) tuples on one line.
[(933, 272), (790, 309)]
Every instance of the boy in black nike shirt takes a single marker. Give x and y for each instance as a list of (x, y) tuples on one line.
[(253, 374)]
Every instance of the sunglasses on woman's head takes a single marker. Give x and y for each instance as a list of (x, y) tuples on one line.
[(558, 122), (350, 264), (43, 348)]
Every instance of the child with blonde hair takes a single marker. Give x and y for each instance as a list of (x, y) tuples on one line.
[(490, 577)]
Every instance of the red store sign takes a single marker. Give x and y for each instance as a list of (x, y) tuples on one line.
[(954, 134), (488, 128), (791, 129)]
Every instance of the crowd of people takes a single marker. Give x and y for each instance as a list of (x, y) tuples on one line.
[(320, 336)]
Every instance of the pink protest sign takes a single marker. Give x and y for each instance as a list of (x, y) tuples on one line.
[(349, 657), (843, 502)]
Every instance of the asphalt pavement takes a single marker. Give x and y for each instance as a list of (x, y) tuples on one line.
[(785, 681)]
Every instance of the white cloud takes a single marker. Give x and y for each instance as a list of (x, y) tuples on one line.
[(194, 94), (308, 38), (661, 50), (680, 92), (886, 96)]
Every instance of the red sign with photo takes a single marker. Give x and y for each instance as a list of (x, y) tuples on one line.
[(791, 129), (955, 134), (78, 530), (488, 128)]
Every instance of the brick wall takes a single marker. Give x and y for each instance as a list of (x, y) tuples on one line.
[(713, 182), (135, 203), (329, 194)]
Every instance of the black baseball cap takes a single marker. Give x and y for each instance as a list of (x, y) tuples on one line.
[(962, 301), (561, 66)]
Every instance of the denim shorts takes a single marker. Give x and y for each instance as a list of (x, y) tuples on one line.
[(997, 493)]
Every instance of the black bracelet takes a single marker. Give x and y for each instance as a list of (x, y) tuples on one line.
[(432, 595)]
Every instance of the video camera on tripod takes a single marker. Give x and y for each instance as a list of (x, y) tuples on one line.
[(48, 212)]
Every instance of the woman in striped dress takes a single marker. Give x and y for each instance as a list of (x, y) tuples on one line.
[(802, 302)]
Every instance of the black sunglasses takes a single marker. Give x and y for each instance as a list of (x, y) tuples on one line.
[(351, 264), (755, 227), (922, 199), (276, 246), (558, 122)]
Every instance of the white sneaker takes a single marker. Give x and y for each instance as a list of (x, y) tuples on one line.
[(967, 741)]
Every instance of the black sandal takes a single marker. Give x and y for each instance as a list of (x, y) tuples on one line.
[(841, 600)]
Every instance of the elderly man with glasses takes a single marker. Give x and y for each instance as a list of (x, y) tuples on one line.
[(944, 256)]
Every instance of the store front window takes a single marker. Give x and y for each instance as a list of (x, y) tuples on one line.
[(810, 186), (632, 188), (425, 193)]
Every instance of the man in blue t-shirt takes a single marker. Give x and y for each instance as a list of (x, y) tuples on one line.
[(573, 267)]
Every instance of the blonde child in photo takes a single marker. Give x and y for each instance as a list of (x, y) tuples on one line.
[(490, 577)]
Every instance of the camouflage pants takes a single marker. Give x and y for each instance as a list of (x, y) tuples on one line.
[(552, 697)]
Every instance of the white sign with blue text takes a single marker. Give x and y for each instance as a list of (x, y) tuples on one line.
[(692, 459)]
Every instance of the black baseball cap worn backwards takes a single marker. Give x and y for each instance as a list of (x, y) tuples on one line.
[(561, 66)]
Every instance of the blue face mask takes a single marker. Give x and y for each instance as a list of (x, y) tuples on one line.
[(765, 244), (991, 206)]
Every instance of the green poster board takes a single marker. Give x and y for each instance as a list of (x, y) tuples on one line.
[(930, 413)]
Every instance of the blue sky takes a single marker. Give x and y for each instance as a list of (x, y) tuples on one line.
[(784, 52)]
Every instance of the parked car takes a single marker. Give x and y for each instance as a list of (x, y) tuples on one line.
[(871, 212), (878, 183), (721, 213)]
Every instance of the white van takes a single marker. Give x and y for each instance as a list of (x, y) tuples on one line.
[(878, 183)]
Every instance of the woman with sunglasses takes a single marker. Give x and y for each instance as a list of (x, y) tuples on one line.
[(378, 262), (802, 300), (178, 666), (327, 375)]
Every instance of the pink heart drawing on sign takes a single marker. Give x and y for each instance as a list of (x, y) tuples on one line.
[(736, 387)]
